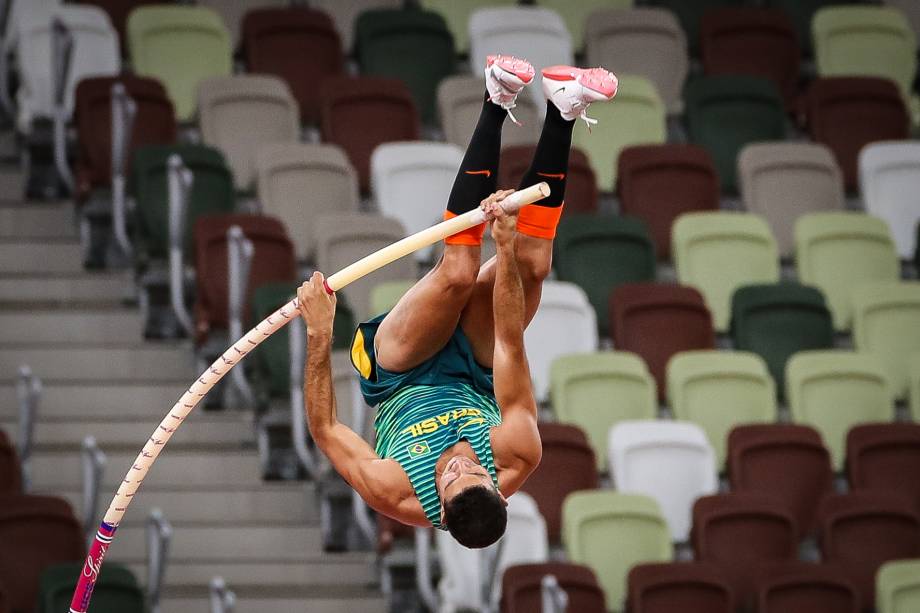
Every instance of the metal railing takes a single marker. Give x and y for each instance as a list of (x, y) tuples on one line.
[(239, 264), (423, 563), (93, 462), (311, 462), (61, 60), (159, 536), (223, 600), (28, 393), (179, 180), (124, 112)]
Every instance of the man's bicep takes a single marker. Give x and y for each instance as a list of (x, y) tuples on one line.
[(511, 378)]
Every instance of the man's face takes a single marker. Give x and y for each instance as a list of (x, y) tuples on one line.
[(459, 474)]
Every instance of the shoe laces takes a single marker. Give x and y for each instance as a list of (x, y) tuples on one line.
[(506, 104)]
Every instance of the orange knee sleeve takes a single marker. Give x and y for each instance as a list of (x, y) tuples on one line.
[(539, 221), (471, 237)]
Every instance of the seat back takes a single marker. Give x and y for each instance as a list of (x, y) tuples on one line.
[(460, 100), (672, 462), (233, 13), (801, 13), (643, 41), (297, 44), (888, 174), (657, 321), (898, 586), (801, 586), (385, 295), (658, 183), (638, 118), (345, 14), (885, 457), (580, 183), (10, 471), (115, 591), (781, 181), (521, 587), (690, 15), (689, 587), (579, 15), (180, 46), (564, 323), (457, 16), (118, 11), (718, 252)]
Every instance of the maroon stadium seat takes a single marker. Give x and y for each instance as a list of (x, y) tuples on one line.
[(298, 44), (521, 587), (10, 472), (847, 113), (568, 465), (36, 532), (862, 530), (360, 113), (4, 599), (118, 11), (154, 124), (802, 587), (657, 183), (580, 185), (657, 320), (754, 41), (788, 462), (743, 534), (273, 261), (885, 457), (688, 587)]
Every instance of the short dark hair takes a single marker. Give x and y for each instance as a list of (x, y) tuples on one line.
[(476, 517)]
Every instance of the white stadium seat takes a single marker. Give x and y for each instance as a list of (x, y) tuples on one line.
[(889, 179)]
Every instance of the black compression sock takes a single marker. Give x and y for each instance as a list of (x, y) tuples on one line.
[(551, 158), (478, 174)]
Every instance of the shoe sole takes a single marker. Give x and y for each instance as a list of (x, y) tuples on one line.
[(588, 78), (507, 64)]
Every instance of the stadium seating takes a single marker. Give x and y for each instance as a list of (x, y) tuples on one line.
[(672, 462), (412, 45), (888, 174), (886, 322), (180, 46), (580, 184), (601, 252), (848, 113), (297, 44), (781, 181), (154, 123), (787, 462), (690, 15), (42, 530), (657, 321), (457, 15), (10, 471), (718, 252), (611, 532), (759, 521), (718, 390), (837, 252), (568, 465), (643, 41), (384, 296), (777, 321), (115, 591), (577, 16), (118, 11), (241, 113), (688, 587), (752, 41), (658, 183), (521, 587), (360, 113), (862, 530), (726, 112), (4, 601), (297, 182), (801, 13), (637, 118), (460, 101), (913, 375), (885, 457), (595, 391), (801, 586), (898, 586), (345, 14), (344, 238)]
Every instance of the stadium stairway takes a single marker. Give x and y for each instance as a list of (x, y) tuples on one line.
[(78, 333)]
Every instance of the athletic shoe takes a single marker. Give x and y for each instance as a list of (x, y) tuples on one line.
[(573, 90), (506, 76)]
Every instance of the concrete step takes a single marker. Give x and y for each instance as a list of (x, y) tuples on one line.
[(46, 255), (95, 323), (275, 599), (35, 219), (167, 361), (60, 287), (114, 400)]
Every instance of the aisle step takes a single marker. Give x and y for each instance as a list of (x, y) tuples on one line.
[(40, 255), (64, 287), (37, 220), (258, 599), (125, 399), (43, 323), (103, 363)]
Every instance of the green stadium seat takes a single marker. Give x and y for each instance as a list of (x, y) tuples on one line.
[(717, 252), (600, 252), (409, 44), (779, 320), (636, 118), (726, 112), (611, 532), (115, 591), (180, 46), (886, 322), (384, 296), (576, 14), (897, 587), (832, 391), (838, 251), (457, 15), (690, 14), (597, 390), (719, 390)]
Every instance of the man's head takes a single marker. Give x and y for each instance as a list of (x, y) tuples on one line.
[(472, 508)]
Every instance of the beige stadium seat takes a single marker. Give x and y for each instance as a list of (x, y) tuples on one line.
[(237, 114), (647, 42), (345, 238), (459, 102), (232, 12), (297, 182), (783, 181), (345, 12)]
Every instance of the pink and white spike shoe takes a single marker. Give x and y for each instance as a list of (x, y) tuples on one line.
[(573, 90), (506, 76)]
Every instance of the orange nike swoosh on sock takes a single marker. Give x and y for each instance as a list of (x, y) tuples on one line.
[(559, 176), (487, 173)]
